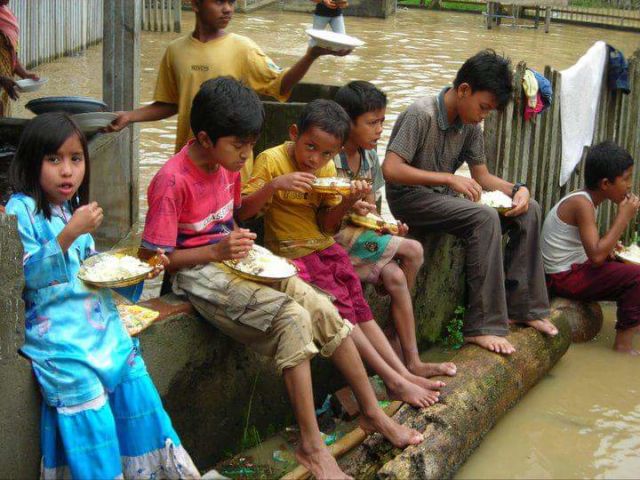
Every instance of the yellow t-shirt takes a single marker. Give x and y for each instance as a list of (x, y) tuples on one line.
[(188, 62), (290, 218)]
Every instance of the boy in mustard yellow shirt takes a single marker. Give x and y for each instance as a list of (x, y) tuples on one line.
[(210, 52), (300, 224)]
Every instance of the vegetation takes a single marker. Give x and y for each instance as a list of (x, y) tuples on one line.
[(454, 338)]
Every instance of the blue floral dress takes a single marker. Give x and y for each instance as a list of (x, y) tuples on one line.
[(102, 416)]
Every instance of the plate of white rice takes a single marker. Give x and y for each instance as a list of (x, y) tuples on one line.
[(498, 200), (630, 254), (118, 268)]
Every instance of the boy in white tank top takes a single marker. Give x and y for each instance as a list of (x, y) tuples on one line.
[(579, 262)]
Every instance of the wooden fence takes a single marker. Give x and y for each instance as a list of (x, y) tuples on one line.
[(531, 151), (161, 15), (618, 14), (53, 28)]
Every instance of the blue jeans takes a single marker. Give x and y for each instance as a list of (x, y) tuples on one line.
[(337, 25)]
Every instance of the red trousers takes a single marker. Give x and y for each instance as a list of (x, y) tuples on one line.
[(612, 281)]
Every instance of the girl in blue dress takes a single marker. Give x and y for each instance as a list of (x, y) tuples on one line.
[(102, 417)]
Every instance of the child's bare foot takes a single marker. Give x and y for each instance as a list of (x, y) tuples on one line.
[(399, 435), (493, 343), (320, 463), (424, 382), (424, 369), (542, 325), (413, 394), (624, 341)]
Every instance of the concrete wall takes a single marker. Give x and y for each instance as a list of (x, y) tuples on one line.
[(204, 378), (356, 8), (19, 396)]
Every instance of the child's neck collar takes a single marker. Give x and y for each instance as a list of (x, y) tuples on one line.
[(204, 34), (451, 104)]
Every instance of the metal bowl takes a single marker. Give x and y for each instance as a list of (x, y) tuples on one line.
[(66, 104), (126, 282)]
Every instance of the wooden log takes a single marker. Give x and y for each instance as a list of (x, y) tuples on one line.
[(487, 385)]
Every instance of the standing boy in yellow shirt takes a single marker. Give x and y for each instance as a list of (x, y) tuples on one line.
[(210, 52)]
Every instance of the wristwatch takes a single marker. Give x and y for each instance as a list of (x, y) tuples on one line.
[(517, 187)]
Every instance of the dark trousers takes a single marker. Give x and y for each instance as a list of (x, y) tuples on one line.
[(499, 288), (612, 281)]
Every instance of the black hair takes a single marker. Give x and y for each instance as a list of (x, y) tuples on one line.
[(42, 136), (223, 107), (490, 72), (605, 160), (328, 116), (360, 97)]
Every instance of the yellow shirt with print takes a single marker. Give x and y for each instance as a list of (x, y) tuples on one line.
[(188, 62), (290, 218)]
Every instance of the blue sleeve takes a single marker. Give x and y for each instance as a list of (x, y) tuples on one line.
[(43, 260)]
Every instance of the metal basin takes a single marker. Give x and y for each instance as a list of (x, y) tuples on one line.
[(66, 104)]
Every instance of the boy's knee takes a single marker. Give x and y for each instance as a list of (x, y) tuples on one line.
[(487, 218), (413, 251), (293, 331), (393, 277)]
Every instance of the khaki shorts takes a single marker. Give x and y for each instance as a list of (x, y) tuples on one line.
[(289, 321)]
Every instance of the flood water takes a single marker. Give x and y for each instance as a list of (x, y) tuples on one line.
[(583, 420)]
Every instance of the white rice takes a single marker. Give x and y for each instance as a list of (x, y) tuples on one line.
[(496, 199), (112, 268), (263, 263)]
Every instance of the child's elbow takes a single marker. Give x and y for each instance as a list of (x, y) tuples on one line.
[(387, 173)]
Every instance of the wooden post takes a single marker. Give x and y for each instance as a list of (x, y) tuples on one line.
[(177, 15), (121, 72), (547, 19), (490, 10)]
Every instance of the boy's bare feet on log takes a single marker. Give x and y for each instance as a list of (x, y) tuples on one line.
[(424, 369), (493, 343), (542, 325), (399, 435), (413, 394), (424, 382)]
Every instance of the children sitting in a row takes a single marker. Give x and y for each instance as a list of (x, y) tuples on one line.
[(193, 200)]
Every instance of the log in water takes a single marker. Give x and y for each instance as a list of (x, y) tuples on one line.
[(487, 385)]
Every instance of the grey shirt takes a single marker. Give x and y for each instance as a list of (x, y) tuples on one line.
[(423, 137)]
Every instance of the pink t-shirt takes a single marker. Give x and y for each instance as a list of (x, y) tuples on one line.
[(188, 207)]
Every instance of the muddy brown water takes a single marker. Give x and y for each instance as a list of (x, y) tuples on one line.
[(583, 420)]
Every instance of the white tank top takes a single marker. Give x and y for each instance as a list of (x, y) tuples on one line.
[(561, 244)]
